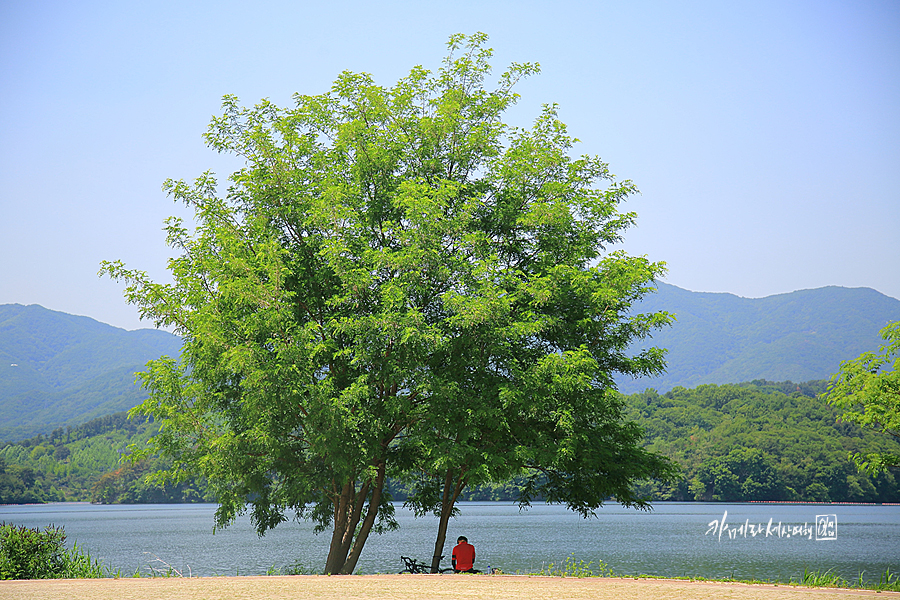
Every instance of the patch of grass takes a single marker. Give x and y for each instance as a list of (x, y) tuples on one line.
[(80, 565), (888, 581), (820, 579), (573, 568), (160, 568), (293, 569)]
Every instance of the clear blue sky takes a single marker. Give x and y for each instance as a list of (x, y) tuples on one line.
[(764, 136)]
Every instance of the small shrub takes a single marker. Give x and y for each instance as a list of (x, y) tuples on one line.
[(34, 554), (31, 553)]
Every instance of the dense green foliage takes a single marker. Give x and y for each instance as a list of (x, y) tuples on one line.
[(18, 485), (59, 370), (760, 441), (867, 391), (800, 336), (34, 554)]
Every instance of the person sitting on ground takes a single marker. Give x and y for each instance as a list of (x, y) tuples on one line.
[(463, 560)]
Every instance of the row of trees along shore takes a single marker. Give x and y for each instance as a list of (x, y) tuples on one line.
[(397, 284), (756, 441)]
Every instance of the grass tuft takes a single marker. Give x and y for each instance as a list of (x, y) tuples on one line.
[(573, 568)]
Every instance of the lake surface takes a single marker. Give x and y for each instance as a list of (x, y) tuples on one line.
[(675, 539)]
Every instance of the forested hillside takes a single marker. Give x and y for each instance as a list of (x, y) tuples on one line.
[(760, 441), (84, 463), (58, 369), (800, 336), (754, 441)]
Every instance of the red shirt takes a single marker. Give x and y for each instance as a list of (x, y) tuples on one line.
[(464, 556)]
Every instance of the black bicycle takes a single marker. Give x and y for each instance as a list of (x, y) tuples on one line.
[(416, 567)]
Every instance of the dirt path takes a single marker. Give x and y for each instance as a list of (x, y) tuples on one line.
[(412, 587)]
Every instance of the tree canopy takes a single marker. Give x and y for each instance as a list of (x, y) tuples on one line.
[(398, 283), (867, 389)]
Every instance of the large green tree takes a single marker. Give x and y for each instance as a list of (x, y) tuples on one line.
[(867, 389), (397, 282)]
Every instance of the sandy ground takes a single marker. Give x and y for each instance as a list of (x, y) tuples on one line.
[(412, 587)]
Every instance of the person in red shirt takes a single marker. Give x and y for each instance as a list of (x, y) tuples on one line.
[(463, 560)]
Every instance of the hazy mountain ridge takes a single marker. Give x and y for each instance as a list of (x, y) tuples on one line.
[(800, 336), (59, 369)]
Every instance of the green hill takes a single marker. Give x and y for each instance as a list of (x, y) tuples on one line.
[(58, 369), (800, 336)]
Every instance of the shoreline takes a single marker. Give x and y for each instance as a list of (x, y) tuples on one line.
[(418, 587)]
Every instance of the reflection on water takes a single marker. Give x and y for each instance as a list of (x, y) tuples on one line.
[(675, 539)]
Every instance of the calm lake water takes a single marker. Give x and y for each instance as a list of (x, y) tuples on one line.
[(675, 539)]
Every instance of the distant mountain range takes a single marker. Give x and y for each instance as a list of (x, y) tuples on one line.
[(58, 369), (799, 336)]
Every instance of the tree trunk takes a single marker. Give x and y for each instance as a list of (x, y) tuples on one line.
[(451, 493), (352, 522), (348, 510), (368, 522), (336, 558)]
